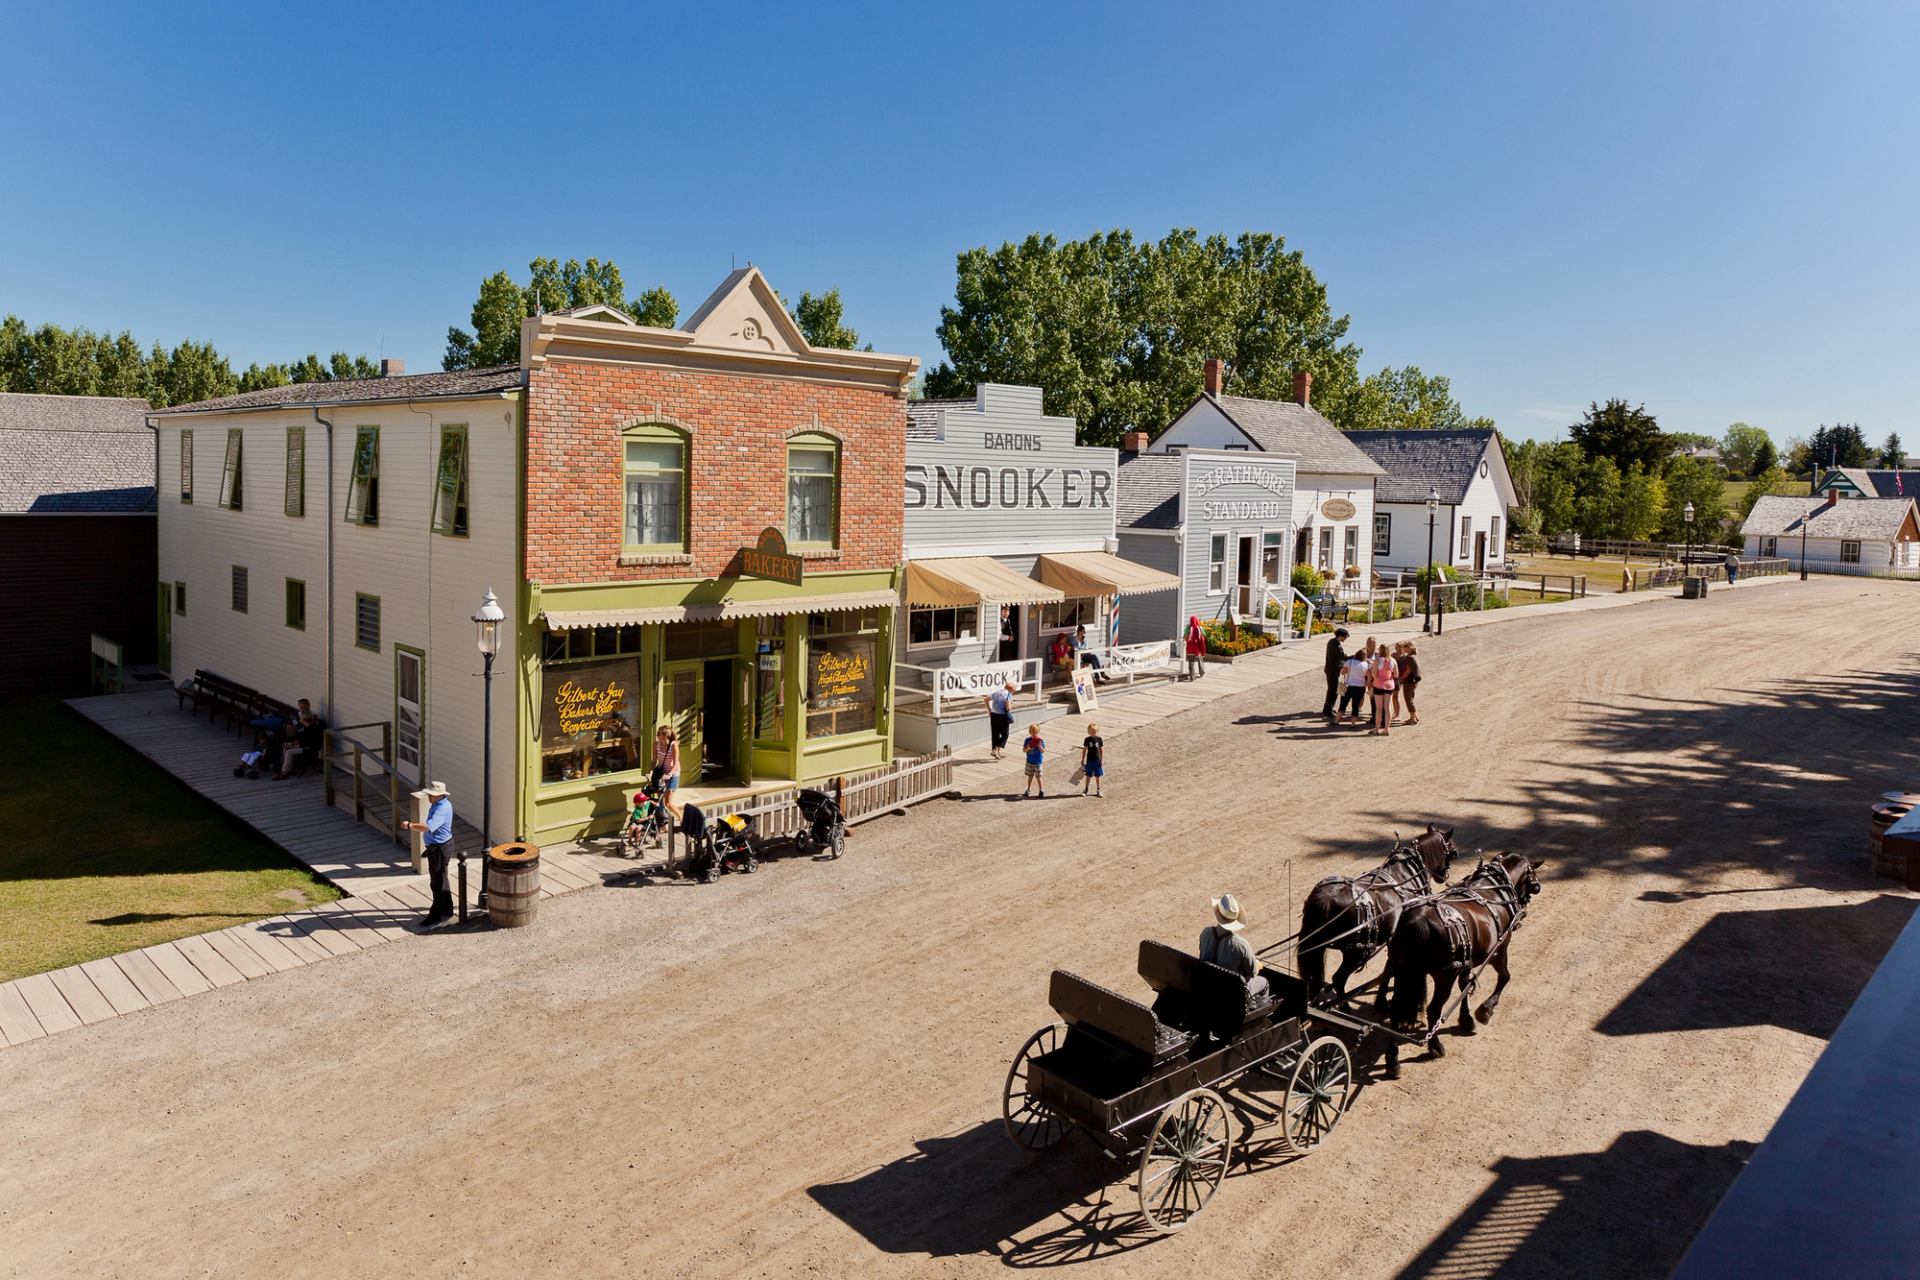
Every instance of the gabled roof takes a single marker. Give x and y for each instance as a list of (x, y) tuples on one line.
[(1873, 482), (926, 418), (411, 386), (1419, 461), (1855, 519), (1303, 433), (745, 310), (1149, 490), (74, 454)]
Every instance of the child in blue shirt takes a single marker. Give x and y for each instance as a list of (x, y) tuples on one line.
[(1036, 748)]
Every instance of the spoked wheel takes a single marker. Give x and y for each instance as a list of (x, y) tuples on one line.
[(1031, 1123), (1185, 1160), (839, 842), (1317, 1095)]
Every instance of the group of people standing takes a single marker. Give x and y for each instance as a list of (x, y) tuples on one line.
[(1390, 675)]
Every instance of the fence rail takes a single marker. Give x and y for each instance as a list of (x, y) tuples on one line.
[(341, 752), (1596, 548), (1671, 575), (106, 668)]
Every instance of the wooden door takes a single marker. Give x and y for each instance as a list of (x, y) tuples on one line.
[(1244, 578), (409, 714), (164, 630), (1479, 554), (684, 704)]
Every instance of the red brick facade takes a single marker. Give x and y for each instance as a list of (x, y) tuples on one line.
[(738, 428)]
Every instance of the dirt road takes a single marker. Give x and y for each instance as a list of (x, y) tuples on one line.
[(799, 1072)]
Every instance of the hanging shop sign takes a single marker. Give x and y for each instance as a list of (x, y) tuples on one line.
[(978, 681), (1131, 659), (1337, 509), (768, 558)]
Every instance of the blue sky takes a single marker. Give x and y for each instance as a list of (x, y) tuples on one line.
[(1713, 208)]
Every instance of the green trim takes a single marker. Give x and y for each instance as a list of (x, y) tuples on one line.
[(692, 591), (813, 442), (358, 596), (233, 472), (297, 618), (366, 447), (658, 432), (163, 629), (240, 591), (462, 508), (180, 598), (296, 498), (421, 654), (186, 467)]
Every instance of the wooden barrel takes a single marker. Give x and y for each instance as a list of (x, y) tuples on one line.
[(1891, 864), (513, 884)]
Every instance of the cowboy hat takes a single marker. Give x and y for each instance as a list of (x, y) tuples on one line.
[(435, 788), (1226, 910)]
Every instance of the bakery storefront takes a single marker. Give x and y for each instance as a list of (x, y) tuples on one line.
[(1010, 544)]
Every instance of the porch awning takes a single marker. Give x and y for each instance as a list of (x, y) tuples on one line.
[(724, 611), (964, 580), (1095, 573)]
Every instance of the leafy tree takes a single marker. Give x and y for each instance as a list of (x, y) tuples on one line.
[(1840, 445), (1407, 399), (259, 377), (1115, 331), (1596, 501), (1772, 480), (1623, 435), (819, 318), (1764, 457), (1691, 480), (551, 285), (1680, 441), (1643, 503), (1893, 454), (1799, 457), (1740, 448), (191, 371)]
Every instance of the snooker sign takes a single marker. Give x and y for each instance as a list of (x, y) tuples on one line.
[(768, 558)]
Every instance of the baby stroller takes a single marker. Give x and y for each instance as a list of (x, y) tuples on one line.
[(826, 829), (649, 821), (717, 846)]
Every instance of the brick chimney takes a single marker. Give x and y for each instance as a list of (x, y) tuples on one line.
[(1303, 387), (392, 368), (1216, 375), (1833, 497), (1135, 442)]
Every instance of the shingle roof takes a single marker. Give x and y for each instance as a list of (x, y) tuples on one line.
[(1149, 496), (1884, 484), (1283, 426), (411, 386), (72, 454), (1419, 461), (1856, 519), (927, 419)]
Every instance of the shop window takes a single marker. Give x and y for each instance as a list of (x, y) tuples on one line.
[(769, 686), (1466, 536), (296, 471), (296, 604), (656, 470), (230, 473), (1065, 615), (590, 642), (943, 626), (843, 622), (366, 621), (1353, 545), (701, 640), (1382, 532), (186, 467), (813, 482), (1326, 548), (239, 588), (842, 683), (363, 484), (180, 598), (1849, 553), (450, 483), (1272, 554), (590, 718), (1217, 563)]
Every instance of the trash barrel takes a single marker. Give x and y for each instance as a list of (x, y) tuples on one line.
[(513, 884), (1889, 862), (1695, 587)]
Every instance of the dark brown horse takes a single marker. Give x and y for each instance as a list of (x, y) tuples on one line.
[(1450, 937), (1357, 915)]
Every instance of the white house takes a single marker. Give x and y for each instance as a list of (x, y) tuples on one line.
[(1464, 471), (1879, 536), (1332, 516), (1870, 482)]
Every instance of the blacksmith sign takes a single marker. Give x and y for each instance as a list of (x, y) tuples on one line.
[(768, 558)]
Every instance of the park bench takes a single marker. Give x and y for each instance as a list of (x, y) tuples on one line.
[(239, 704)]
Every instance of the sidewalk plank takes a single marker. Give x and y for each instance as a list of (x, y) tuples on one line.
[(85, 998), (17, 1023), (115, 986), (278, 956), (318, 932), (283, 930), (147, 977), (177, 968), (213, 966), (48, 1005)]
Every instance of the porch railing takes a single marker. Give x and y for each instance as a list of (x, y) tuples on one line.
[(922, 683), (373, 796)]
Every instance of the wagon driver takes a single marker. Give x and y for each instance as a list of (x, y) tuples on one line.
[(1224, 942)]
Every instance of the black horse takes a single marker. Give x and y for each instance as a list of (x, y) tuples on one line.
[(1449, 938), (1357, 915)]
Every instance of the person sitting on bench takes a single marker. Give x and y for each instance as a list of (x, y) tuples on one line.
[(1224, 943), (305, 744)]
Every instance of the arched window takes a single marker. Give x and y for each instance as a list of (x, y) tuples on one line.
[(813, 491), (656, 488)]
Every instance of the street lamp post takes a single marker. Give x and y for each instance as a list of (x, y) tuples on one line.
[(1433, 509), (1812, 484), (1686, 562), (486, 622)]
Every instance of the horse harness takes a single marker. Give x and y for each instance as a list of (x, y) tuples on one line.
[(1459, 935), (1370, 921)]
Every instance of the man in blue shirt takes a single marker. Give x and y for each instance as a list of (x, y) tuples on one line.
[(438, 829)]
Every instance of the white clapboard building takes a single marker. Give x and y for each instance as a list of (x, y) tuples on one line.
[(1464, 474), (1009, 536), (1835, 534)]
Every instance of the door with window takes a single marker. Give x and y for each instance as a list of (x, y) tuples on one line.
[(164, 631), (1243, 575), (409, 713), (1479, 554), (685, 705)]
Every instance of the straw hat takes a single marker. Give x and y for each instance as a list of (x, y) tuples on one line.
[(440, 789), (1226, 910)]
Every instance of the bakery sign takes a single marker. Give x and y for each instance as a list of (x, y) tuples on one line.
[(768, 558), (1337, 509)]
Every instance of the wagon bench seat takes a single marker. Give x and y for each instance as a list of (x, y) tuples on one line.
[(1124, 1023)]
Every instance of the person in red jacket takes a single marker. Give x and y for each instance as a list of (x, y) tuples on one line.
[(1196, 649)]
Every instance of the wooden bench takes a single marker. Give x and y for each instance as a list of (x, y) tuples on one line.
[(1121, 1023), (240, 705), (1197, 997)]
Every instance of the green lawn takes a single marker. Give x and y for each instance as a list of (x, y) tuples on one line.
[(109, 853), (1734, 490)]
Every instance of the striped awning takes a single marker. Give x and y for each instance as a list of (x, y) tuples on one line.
[(724, 611), (1095, 573), (963, 580)]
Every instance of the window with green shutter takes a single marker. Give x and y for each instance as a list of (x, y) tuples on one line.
[(186, 466), (180, 598), (450, 483), (363, 486), (366, 621), (239, 588), (296, 471), (230, 473), (296, 604)]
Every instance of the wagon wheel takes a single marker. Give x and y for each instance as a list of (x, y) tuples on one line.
[(1031, 1123), (1185, 1159), (1318, 1094)]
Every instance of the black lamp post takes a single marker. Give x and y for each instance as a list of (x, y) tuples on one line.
[(1686, 562), (486, 622), (1812, 484), (1433, 509)]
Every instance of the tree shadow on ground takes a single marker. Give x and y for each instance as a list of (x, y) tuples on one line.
[(1800, 968), (1628, 1211)]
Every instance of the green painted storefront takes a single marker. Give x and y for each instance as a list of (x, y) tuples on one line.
[(769, 681)]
